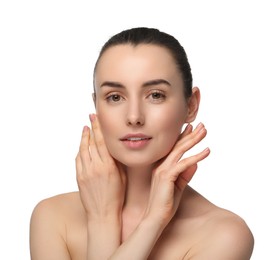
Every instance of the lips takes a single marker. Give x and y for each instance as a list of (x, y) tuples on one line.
[(135, 137), (135, 141)]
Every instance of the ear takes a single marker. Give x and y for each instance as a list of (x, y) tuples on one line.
[(193, 105), (94, 98)]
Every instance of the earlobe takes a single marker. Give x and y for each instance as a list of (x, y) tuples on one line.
[(193, 105)]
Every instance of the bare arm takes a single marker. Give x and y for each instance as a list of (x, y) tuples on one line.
[(104, 236)]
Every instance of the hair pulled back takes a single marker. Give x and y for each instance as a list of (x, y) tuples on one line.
[(144, 35)]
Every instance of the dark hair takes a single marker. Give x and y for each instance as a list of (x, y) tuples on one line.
[(143, 35)]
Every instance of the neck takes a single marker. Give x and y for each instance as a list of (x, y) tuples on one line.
[(138, 188), (136, 198)]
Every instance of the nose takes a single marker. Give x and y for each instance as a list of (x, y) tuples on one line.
[(135, 115)]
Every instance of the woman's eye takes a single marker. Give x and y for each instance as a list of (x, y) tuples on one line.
[(113, 98), (157, 96)]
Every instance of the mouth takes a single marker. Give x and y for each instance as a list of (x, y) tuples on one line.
[(135, 141), (135, 137)]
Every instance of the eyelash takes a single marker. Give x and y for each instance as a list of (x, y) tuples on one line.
[(161, 95), (112, 95), (159, 99)]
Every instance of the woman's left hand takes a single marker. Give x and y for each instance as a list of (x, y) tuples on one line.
[(172, 175)]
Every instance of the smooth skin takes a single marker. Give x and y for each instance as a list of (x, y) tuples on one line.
[(136, 203)]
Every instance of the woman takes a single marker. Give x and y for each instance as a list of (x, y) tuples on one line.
[(134, 201)]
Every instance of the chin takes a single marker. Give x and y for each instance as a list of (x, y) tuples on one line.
[(141, 158), (138, 160)]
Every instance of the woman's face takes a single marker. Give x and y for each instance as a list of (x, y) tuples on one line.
[(139, 102)]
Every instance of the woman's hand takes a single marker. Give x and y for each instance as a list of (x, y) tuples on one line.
[(101, 184), (171, 176), (101, 180)]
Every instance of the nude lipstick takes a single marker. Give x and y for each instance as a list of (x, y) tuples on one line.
[(135, 141)]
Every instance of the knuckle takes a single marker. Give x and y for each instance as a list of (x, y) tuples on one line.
[(161, 173), (84, 176), (95, 126), (100, 142), (78, 157), (82, 150), (81, 180)]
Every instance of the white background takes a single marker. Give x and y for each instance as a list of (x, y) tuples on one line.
[(47, 54)]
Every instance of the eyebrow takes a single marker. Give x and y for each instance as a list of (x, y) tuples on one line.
[(149, 83), (156, 82)]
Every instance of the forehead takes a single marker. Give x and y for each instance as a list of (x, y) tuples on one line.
[(139, 49), (146, 59)]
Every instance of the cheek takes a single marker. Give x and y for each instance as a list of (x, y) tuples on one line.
[(169, 127), (107, 123), (171, 118), (170, 131)]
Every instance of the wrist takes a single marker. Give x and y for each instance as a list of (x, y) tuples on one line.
[(107, 219), (104, 236), (155, 220), (152, 225), (106, 229)]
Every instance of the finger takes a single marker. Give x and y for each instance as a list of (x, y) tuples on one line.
[(98, 138), (84, 146), (200, 128), (92, 146), (188, 174), (188, 129), (169, 158), (194, 138), (185, 177), (78, 164), (186, 143), (184, 164)]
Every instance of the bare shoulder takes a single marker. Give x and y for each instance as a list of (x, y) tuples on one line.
[(60, 199), (57, 211), (223, 235), (49, 224), (58, 206)]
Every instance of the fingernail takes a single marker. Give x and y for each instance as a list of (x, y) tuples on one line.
[(203, 130), (92, 117), (189, 126), (207, 150), (200, 125)]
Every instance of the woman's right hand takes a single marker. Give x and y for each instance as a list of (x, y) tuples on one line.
[(101, 180)]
